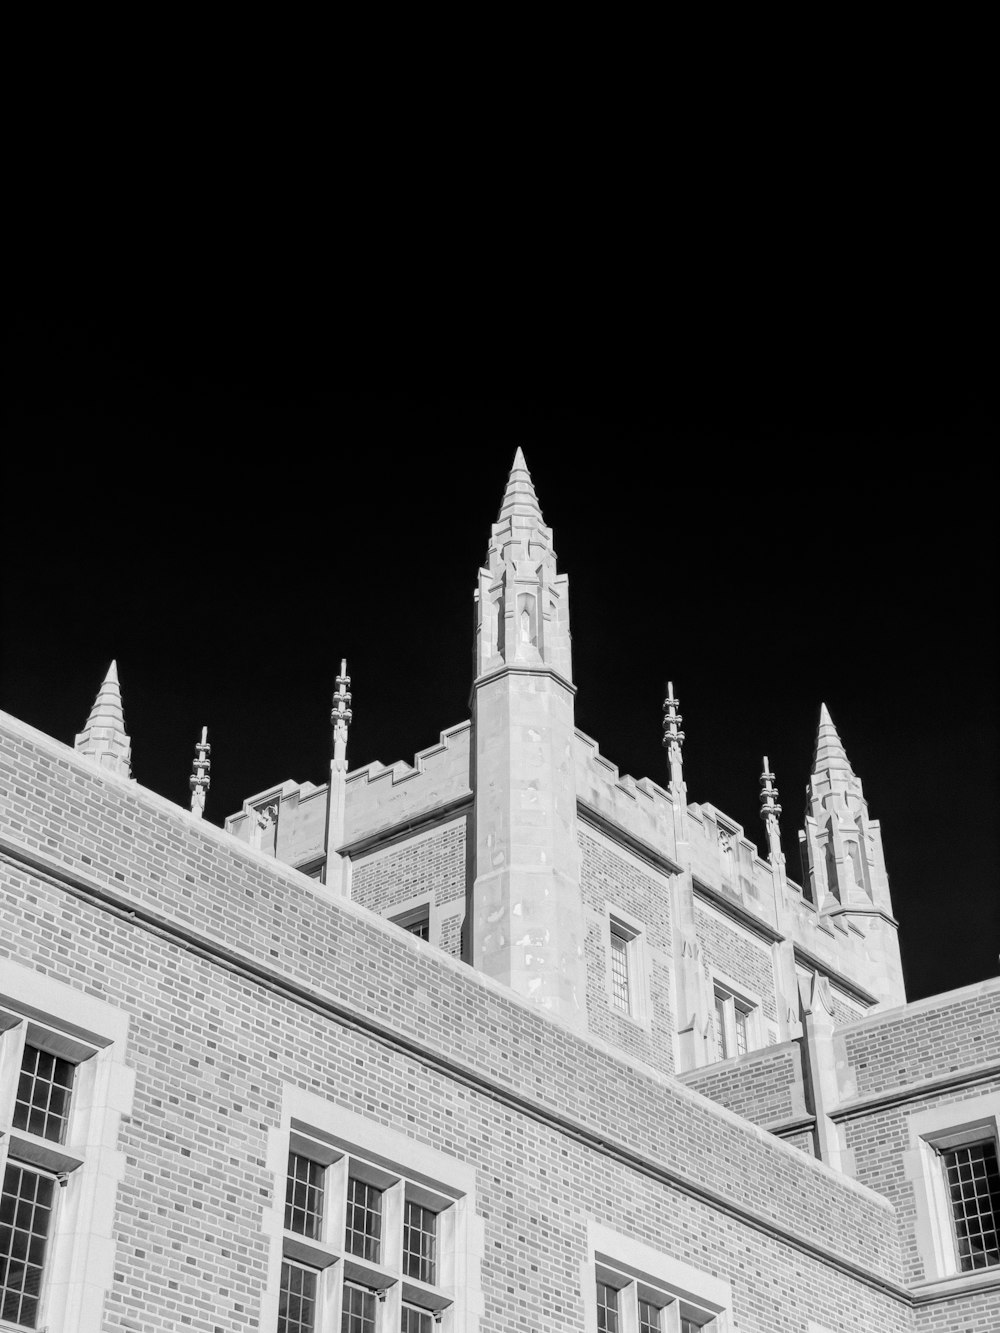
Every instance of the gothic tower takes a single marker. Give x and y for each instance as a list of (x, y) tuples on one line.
[(528, 924), (843, 862)]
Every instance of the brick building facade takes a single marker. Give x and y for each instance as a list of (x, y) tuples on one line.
[(500, 1040)]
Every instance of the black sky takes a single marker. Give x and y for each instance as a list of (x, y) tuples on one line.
[(228, 513)]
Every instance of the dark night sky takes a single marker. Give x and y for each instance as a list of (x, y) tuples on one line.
[(228, 515)]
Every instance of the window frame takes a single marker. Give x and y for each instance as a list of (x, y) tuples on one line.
[(734, 1000), (88, 1161), (632, 932), (931, 1132), (638, 1272), (348, 1147)]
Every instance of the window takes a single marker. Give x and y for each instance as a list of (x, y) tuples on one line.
[(621, 989), (417, 921), (626, 968), (635, 1289), (417, 915), (366, 1246), (734, 1024), (973, 1183), (63, 1090), (954, 1167)]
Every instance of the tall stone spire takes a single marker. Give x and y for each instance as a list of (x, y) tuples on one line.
[(842, 858), (522, 602), (103, 738), (527, 920)]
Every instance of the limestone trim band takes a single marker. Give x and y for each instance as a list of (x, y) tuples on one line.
[(126, 909)]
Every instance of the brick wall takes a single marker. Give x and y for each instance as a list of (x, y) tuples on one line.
[(762, 1086), (608, 875), (924, 1040), (346, 1007), (431, 863), (739, 955)]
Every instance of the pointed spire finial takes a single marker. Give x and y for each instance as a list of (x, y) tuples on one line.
[(103, 737), (829, 752), (341, 713), (199, 780), (520, 497)]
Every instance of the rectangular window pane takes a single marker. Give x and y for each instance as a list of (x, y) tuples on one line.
[(720, 1025), (973, 1182), (741, 1031), (297, 1300), (359, 1310), (650, 1317), (607, 1309), (420, 1243), (619, 970), (364, 1220), (43, 1093), (689, 1326), (416, 1321), (304, 1197), (25, 1216)]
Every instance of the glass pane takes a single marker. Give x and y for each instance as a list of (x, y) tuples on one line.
[(359, 1310), (973, 1182), (420, 1243), (364, 1220), (619, 971), (297, 1300), (607, 1309), (43, 1094), (304, 1197), (28, 1204)]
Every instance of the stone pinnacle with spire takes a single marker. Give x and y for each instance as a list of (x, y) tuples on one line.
[(199, 780), (673, 737), (336, 869), (103, 738), (340, 714)]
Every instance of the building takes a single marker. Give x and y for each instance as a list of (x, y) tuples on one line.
[(499, 1040)]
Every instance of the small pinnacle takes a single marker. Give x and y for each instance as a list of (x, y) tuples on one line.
[(768, 794), (520, 497)]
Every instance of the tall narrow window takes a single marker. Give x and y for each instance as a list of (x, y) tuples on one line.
[(304, 1196), (973, 1181), (43, 1094), (416, 1321), (25, 1217), (297, 1301), (720, 1025), (741, 1015), (607, 1309), (364, 1220), (359, 1310), (650, 1317), (420, 1243), (621, 985)]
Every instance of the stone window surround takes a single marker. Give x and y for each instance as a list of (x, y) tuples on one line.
[(340, 1131), (634, 932), (736, 993), (80, 1255), (922, 1166), (628, 1261)]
